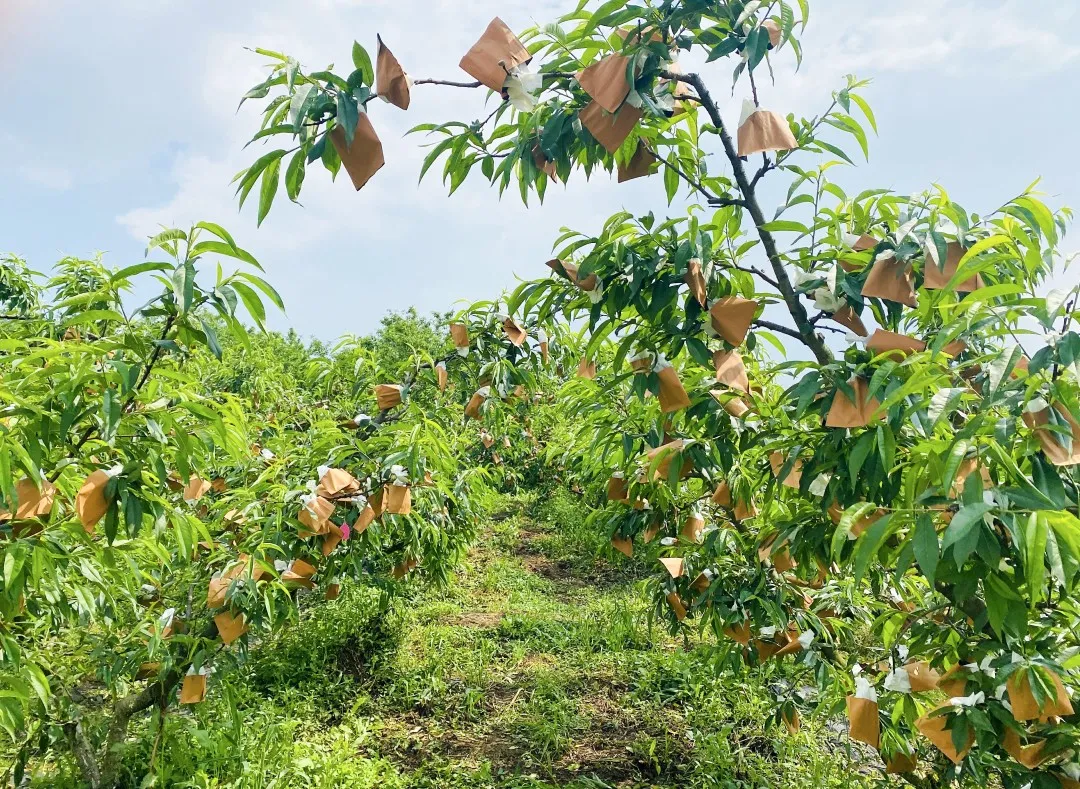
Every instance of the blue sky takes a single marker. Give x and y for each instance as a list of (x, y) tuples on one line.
[(121, 118)]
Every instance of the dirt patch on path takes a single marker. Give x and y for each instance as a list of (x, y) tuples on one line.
[(477, 619)]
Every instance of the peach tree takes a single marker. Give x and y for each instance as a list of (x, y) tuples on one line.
[(158, 524), (847, 423)]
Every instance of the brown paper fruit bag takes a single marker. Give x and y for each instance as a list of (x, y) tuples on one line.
[(861, 243), (922, 677), (721, 497), (299, 574), (90, 503), (1031, 756), (332, 539), (586, 369), (932, 727), (735, 406), (643, 163), (230, 627), (730, 370), (695, 280), (900, 763), (693, 529), (459, 333), (390, 80), (605, 81), (761, 131), (794, 478), (314, 515), (864, 725), (398, 500), (333, 591), (544, 164), (570, 271), (1052, 448), (1024, 705), (847, 414), (196, 489), (388, 396), (744, 510), (702, 582), (623, 546), (472, 409), (617, 489), (672, 394), (337, 482), (364, 157), (193, 691), (674, 565), (847, 318), (514, 332), (739, 633), (732, 317), (898, 346), (30, 502), (677, 605), (403, 569), (666, 453), (441, 376), (936, 279), (890, 279), (366, 518), (216, 591), (610, 130), (490, 59)]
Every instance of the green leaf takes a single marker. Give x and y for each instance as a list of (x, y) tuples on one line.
[(139, 268), (925, 545), (757, 44), (963, 527), (269, 189), (294, 175), (298, 104), (218, 248), (870, 542), (164, 237), (362, 62), (211, 338), (1035, 535), (348, 114)]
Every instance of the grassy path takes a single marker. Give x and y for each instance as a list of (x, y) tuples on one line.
[(536, 668)]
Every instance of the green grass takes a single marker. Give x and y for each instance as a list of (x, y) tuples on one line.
[(538, 667)]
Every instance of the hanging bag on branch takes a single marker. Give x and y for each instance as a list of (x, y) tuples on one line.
[(761, 131), (643, 163), (937, 278), (610, 130), (491, 59), (605, 81), (732, 317), (672, 394), (459, 333), (890, 279), (364, 157), (392, 83), (864, 724), (388, 396)]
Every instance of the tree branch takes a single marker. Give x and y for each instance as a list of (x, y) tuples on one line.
[(806, 331), (776, 327)]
